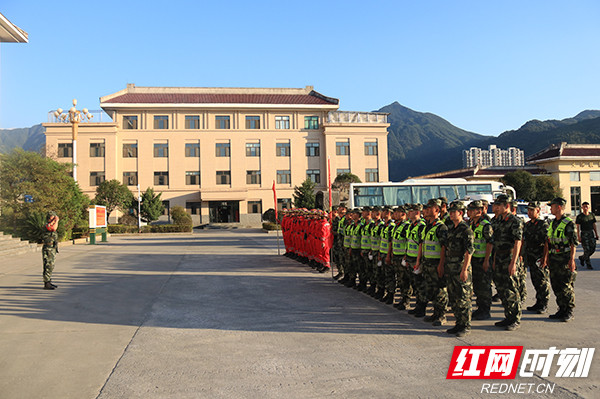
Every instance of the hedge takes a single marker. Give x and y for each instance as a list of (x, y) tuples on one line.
[(271, 226), (155, 228)]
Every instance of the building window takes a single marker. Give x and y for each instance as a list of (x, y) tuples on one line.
[(130, 122), (65, 150), (254, 206), (283, 149), (574, 176), (192, 122), (222, 122), (342, 171), (284, 203), (311, 122), (96, 178), (161, 150), (161, 122), (96, 150), (314, 175), (130, 178), (282, 122), (222, 149), (223, 177), (193, 208), (371, 148), (192, 178), (342, 148), (594, 176), (284, 177), (575, 200), (130, 150), (253, 149), (371, 175), (192, 150), (253, 177), (253, 122), (161, 178), (312, 150)]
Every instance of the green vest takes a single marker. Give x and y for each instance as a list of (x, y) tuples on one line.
[(384, 243), (432, 249), (341, 227), (375, 235), (558, 241), (348, 235), (412, 248), (365, 235), (479, 242), (399, 239), (355, 233)]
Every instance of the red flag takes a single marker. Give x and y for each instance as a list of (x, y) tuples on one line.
[(275, 200), (329, 185)]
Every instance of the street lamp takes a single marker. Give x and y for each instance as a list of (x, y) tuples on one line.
[(73, 117)]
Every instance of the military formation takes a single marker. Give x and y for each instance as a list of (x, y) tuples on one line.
[(443, 256)]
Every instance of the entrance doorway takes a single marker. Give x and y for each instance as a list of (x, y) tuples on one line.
[(595, 199), (224, 211)]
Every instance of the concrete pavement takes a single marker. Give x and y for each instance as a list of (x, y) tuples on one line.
[(217, 314)]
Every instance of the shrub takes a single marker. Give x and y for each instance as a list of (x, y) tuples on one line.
[(271, 226), (180, 216), (128, 220), (156, 228)]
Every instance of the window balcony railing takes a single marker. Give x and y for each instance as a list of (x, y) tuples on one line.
[(356, 117)]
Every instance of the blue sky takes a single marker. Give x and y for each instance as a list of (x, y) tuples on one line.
[(485, 66)]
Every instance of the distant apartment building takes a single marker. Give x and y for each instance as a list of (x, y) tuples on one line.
[(217, 151), (493, 156)]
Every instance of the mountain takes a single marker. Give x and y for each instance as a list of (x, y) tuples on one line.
[(421, 142), (28, 138)]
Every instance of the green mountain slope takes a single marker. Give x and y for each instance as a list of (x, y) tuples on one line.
[(28, 138)]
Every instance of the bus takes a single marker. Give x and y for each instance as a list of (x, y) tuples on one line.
[(414, 191)]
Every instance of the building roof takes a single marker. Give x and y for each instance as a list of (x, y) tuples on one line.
[(564, 150), (483, 171), (204, 95), (11, 33)]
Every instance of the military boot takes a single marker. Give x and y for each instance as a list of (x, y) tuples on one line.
[(380, 293), (385, 297), (49, 286), (390, 299), (481, 314), (420, 309), (372, 290)]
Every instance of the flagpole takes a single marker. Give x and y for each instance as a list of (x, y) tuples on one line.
[(276, 218), (330, 214)]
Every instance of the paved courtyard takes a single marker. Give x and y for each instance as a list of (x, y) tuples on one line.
[(217, 314)]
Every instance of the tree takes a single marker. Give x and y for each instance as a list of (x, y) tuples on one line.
[(546, 188), (31, 183), (523, 182), (152, 207), (342, 183), (304, 196), (113, 195)]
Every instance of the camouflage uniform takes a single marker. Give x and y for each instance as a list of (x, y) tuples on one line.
[(388, 276), (364, 270), (413, 234), (522, 272), (402, 273), (49, 250), (460, 241), (561, 236), (507, 230), (588, 238), (482, 280), (534, 238), (376, 285), (434, 238)]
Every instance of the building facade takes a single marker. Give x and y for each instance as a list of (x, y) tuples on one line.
[(217, 151), (493, 156)]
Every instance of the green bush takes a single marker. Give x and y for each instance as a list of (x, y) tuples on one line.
[(128, 220), (155, 228), (180, 216), (271, 226), (121, 229)]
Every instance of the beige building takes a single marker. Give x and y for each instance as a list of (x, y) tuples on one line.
[(217, 151), (576, 167)]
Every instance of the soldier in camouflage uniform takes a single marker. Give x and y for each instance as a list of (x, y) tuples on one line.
[(432, 254), (535, 234), (396, 255), (480, 262), (508, 234), (521, 269), (49, 249), (375, 290), (559, 256), (346, 228), (365, 247), (388, 276), (414, 238), (458, 269), (587, 234)]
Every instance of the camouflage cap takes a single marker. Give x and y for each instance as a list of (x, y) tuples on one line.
[(386, 208), (433, 202), (366, 209), (475, 205), (502, 199), (558, 201), (375, 209), (456, 206), (533, 205), (416, 207), (443, 200), (400, 209)]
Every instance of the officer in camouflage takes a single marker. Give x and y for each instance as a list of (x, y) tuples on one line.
[(398, 252), (521, 270), (414, 239), (480, 262), (535, 234), (587, 234), (508, 235), (49, 249), (457, 269), (559, 256)]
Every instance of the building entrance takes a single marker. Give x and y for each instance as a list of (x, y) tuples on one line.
[(224, 211), (595, 200)]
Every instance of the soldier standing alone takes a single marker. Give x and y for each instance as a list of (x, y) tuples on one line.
[(586, 234), (49, 249)]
